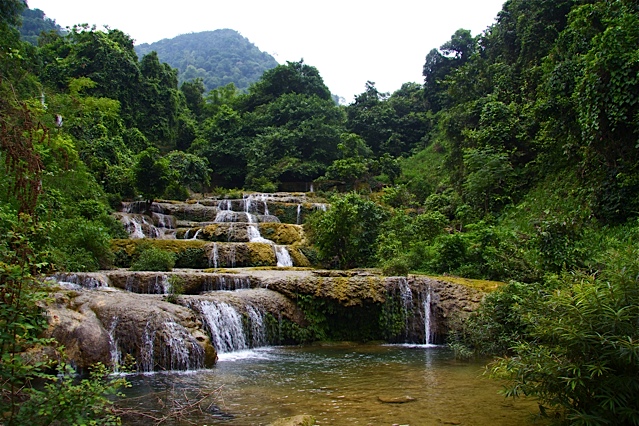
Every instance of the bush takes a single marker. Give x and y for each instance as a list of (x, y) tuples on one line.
[(81, 245), (345, 234), (154, 259), (582, 355)]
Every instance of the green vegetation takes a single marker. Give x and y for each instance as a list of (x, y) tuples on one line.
[(216, 58)]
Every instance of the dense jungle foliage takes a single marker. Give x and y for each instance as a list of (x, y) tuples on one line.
[(515, 160), (217, 57)]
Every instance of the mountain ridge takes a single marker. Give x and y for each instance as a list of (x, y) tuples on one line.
[(218, 57)]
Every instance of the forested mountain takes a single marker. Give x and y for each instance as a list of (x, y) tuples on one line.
[(35, 22), (217, 57)]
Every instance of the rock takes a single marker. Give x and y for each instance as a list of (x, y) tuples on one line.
[(301, 420), (107, 326), (396, 399)]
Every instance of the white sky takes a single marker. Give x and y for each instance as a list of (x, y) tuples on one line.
[(348, 41)]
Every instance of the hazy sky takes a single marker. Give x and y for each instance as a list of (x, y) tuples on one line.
[(348, 41)]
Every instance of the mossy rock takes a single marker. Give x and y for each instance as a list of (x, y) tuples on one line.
[(298, 257), (282, 233), (261, 254), (302, 420), (225, 232), (127, 250)]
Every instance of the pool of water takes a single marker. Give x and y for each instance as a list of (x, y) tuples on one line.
[(341, 385)]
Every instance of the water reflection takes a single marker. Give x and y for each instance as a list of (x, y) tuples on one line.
[(345, 384)]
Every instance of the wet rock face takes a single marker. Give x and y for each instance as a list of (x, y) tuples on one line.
[(124, 328), (420, 307)]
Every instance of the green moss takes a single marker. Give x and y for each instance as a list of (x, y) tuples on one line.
[(483, 285), (261, 254), (282, 233), (186, 251)]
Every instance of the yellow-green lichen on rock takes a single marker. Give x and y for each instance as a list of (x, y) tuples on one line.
[(282, 233), (261, 254)]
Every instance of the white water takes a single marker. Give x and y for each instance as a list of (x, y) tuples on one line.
[(299, 214), (227, 330), (225, 326), (214, 257), (116, 355), (283, 256), (427, 319), (257, 326)]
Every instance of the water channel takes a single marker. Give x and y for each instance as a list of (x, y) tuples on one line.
[(342, 384)]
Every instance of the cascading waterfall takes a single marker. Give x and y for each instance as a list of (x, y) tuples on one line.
[(176, 347), (225, 326), (214, 257), (427, 319), (227, 283), (146, 360), (299, 214), (257, 328), (283, 256), (116, 355)]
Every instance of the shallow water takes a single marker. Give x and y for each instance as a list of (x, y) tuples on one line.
[(344, 385)]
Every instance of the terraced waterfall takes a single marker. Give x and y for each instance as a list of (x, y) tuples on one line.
[(242, 282)]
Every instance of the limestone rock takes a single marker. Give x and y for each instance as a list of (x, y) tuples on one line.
[(301, 420)]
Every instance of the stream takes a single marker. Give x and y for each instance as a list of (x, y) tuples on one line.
[(341, 384)]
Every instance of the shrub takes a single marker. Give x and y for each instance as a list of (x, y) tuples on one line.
[(582, 357), (81, 245), (346, 233), (154, 259)]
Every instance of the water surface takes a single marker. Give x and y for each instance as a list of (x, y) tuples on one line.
[(344, 385)]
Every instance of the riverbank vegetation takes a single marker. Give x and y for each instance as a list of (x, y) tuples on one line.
[(516, 160)]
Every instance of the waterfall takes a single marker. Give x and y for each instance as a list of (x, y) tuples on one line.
[(178, 347), (214, 257), (227, 283), (428, 334), (146, 360), (266, 213), (299, 214), (116, 355), (283, 256), (258, 327), (228, 329), (162, 285), (89, 280), (406, 295), (225, 326)]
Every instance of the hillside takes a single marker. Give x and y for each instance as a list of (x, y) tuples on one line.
[(217, 57), (35, 22)]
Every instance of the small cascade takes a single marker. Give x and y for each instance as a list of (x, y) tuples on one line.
[(145, 284), (146, 358), (228, 282), (406, 295), (428, 334), (178, 355), (116, 355), (164, 220), (224, 324), (163, 344), (162, 285), (257, 328), (283, 256), (89, 281), (299, 215), (214, 256), (231, 328)]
